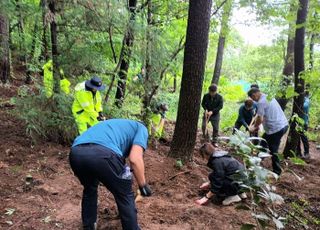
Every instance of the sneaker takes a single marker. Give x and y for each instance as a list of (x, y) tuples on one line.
[(243, 195), (231, 199)]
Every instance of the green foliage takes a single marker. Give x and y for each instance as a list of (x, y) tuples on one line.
[(256, 180), (47, 119)]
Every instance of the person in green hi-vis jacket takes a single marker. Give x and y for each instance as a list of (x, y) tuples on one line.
[(157, 121), (87, 104), (48, 80)]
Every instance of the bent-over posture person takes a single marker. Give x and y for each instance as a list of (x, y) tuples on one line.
[(157, 121), (246, 113), (98, 155), (274, 122), (87, 104), (222, 183)]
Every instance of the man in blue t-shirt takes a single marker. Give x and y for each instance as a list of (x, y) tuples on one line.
[(98, 155)]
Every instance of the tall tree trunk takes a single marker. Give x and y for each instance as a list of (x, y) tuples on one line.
[(288, 69), (124, 67), (148, 65), (54, 47), (192, 79), (23, 48), (34, 39), (44, 44), (4, 49), (222, 40), (311, 51), (299, 67)]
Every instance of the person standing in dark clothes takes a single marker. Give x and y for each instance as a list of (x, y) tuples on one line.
[(212, 103), (303, 136), (246, 113), (221, 179), (98, 155)]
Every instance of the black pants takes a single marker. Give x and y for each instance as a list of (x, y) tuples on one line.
[(229, 187), (273, 142), (93, 164), (305, 142), (215, 122)]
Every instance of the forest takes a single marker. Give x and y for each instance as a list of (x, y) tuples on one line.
[(190, 72)]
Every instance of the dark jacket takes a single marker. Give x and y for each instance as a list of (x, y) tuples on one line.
[(245, 116), (214, 104), (224, 168)]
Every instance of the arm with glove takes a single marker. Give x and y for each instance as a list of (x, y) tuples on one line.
[(137, 165)]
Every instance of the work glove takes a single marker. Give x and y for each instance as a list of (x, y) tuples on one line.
[(101, 117), (145, 190)]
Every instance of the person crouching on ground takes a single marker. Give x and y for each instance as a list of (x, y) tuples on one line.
[(98, 155), (221, 179)]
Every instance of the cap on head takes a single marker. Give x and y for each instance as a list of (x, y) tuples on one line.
[(164, 107), (95, 83)]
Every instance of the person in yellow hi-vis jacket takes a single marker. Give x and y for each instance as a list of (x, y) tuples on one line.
[(48, 80), (157, 121), (87, 104)]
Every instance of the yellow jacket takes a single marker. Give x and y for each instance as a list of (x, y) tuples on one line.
[(85, 104), (48, 80), (156, 125)]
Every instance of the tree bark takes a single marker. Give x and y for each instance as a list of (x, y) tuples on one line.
[(299, 67), (4, 49), (54, 47), (124, 67), (192, 79), (288, 69), (23, 48), (311, 51), (148, 65), (222, 40), (44, 48)]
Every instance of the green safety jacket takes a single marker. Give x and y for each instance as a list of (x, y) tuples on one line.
[(48, 80), (86, 106), (155, 127)]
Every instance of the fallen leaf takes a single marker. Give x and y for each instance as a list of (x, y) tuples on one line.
[(9, 222), (9, 211), (47, 219)]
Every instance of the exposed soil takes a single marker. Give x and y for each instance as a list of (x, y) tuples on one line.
[(37, 182)]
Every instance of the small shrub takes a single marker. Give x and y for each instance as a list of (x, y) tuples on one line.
[(47, 119)]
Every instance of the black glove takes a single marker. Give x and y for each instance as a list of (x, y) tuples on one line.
[(145, 190), (101, 117)]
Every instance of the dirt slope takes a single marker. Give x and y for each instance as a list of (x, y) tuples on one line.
[(52, 199)]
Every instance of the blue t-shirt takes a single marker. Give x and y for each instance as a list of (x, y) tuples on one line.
[(116, 134), (306, 107)]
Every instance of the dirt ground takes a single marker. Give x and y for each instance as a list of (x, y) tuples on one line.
[(39, 191)]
